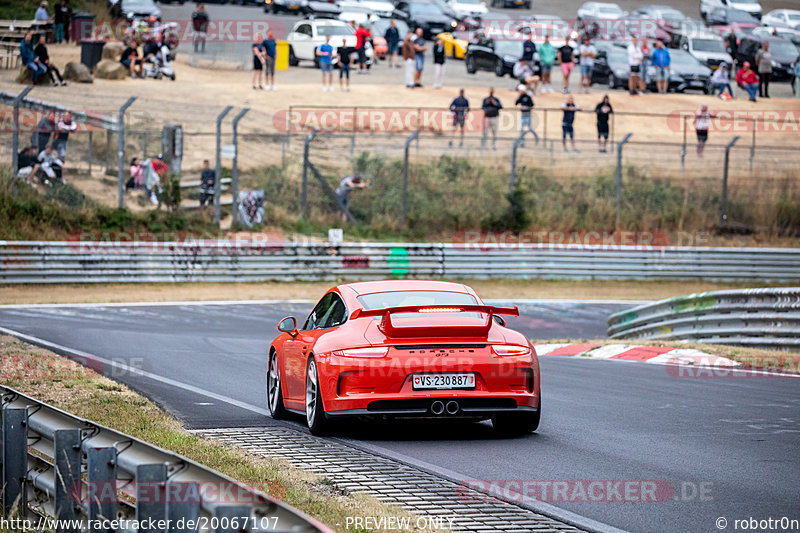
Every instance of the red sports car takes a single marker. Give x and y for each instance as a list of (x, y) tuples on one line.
[(424, 349)]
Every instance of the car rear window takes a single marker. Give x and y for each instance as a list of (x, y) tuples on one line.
[(382, 300)]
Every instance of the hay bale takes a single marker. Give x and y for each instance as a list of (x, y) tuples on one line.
[(113, 51), (74, 71), (111, 70)]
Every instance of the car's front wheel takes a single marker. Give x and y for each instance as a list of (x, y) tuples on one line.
[(515, 424), (471, 65), (499, 68), (274, 393), (612, 81), (315, 410), (293, 61)]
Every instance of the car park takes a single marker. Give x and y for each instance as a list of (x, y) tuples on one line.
[(724, 19), (783, 33), (458, 360), (611, 65), (307, 35), (511, 3), (426, 15), (693, 74), (378, 29), (782, 18), (752, 7), (667, 18), (784, 54), (708, 48), (356, 12), (454, 46), (601, 10), (498, 56), (136, 10), (468, 8), (295, 7)]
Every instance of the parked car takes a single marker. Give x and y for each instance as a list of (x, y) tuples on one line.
[(724, 19), (708, 48), (498, 56), (382, 8), (752, 7), (357, 12), (468, 8), (454, 45), (611, 65), (601, 10), (296, 7), (783, 33), (136, 9), (668, 18), (784, 54), (426, 15), (378, 30), (511, 3), (782, 18), (693, 74), (307, 35), (558, 29), (321, 9)]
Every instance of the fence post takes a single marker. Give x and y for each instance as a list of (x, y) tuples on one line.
[(410, 138), (121, 152), (15, 458), (723, 209), (753, 145), (513, 183), (619, 177), (304, 192), (15, 133), (355, 129), (683, 148), (235, 169), (90, 152), (218, 182)]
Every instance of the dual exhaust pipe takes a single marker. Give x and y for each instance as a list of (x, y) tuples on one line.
[(439, 407)]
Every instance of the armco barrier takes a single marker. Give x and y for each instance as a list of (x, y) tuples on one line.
[(763, 318), (61, 466), (76, 262)]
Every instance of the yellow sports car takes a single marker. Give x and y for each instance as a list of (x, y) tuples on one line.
[(453, 45)]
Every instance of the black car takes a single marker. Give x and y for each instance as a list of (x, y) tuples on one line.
[(498, 56), (611, 65), (136, 10), (426, 15), (511, 3), (784, 53)]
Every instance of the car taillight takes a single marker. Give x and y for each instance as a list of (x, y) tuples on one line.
[(373, 353), (510, 350)]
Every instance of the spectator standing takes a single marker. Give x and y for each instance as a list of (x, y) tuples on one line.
[(524, 74), (747, 80), (459, 107), (325, 54), (362, 36), (64, 127), (41, 14), (270, 55), (567, 123), (438, 63), (44, 59), (491, 107), (131, 60), (345, 55), (702, 123), (51, 165), (635, 57), (409, 56), (58, 21), (45, 127), (200, 25), (603, 110), (587, 53), (661, 61), (208, 179), (419, 57), (392, 36), (525, 103), (135, 181), (258, 62), (66, 13), (528, 48), (720, 81), (30, 59), (796, 80), (346, 186), (27, 164), (565, 55), (733, 44), (547, 56), (764, 66)]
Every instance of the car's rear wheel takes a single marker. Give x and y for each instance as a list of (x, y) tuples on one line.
[(499, 68), (515, 424), (612, 81), (293, 61), (471, 65), (315, 410), (274, 393)]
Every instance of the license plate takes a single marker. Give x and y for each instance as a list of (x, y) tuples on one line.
[(443, 381), (519, 2), (294, 7), (696, 83)]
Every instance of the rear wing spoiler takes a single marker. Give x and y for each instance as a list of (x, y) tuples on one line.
[(434, 330)]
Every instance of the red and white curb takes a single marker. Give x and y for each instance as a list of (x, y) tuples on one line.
[(657, 355)]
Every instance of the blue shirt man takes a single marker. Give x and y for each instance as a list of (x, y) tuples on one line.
[(528, 49), (660, 57), (269, 47), (326, 53)]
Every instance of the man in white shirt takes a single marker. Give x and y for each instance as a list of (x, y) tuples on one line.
[(587, 53), (635, 57)]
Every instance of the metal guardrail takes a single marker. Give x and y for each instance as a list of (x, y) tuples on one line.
[(763, 318), (232, 260), (60, 466)]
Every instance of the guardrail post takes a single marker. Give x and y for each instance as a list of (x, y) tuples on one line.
[(513, 183), (235, 169), (218, 182), (67, 455), (90, 152), (102, 478), (231, 518), (683, 147), (121, 152), (355, 130), (753, 145), (723, 208), (15, 458), (183, 509), (15, 134), (151, 495), (304, 191), (409, 140), (619, 177)]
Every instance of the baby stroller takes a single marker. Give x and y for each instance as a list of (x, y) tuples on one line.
[(160, 65)]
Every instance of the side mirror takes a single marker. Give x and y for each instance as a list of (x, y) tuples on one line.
[(288, 325), (499, 320)]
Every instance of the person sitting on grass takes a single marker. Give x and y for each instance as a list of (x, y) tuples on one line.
[(27, 164)]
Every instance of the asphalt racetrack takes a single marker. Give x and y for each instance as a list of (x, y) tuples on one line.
[(727, 445)]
